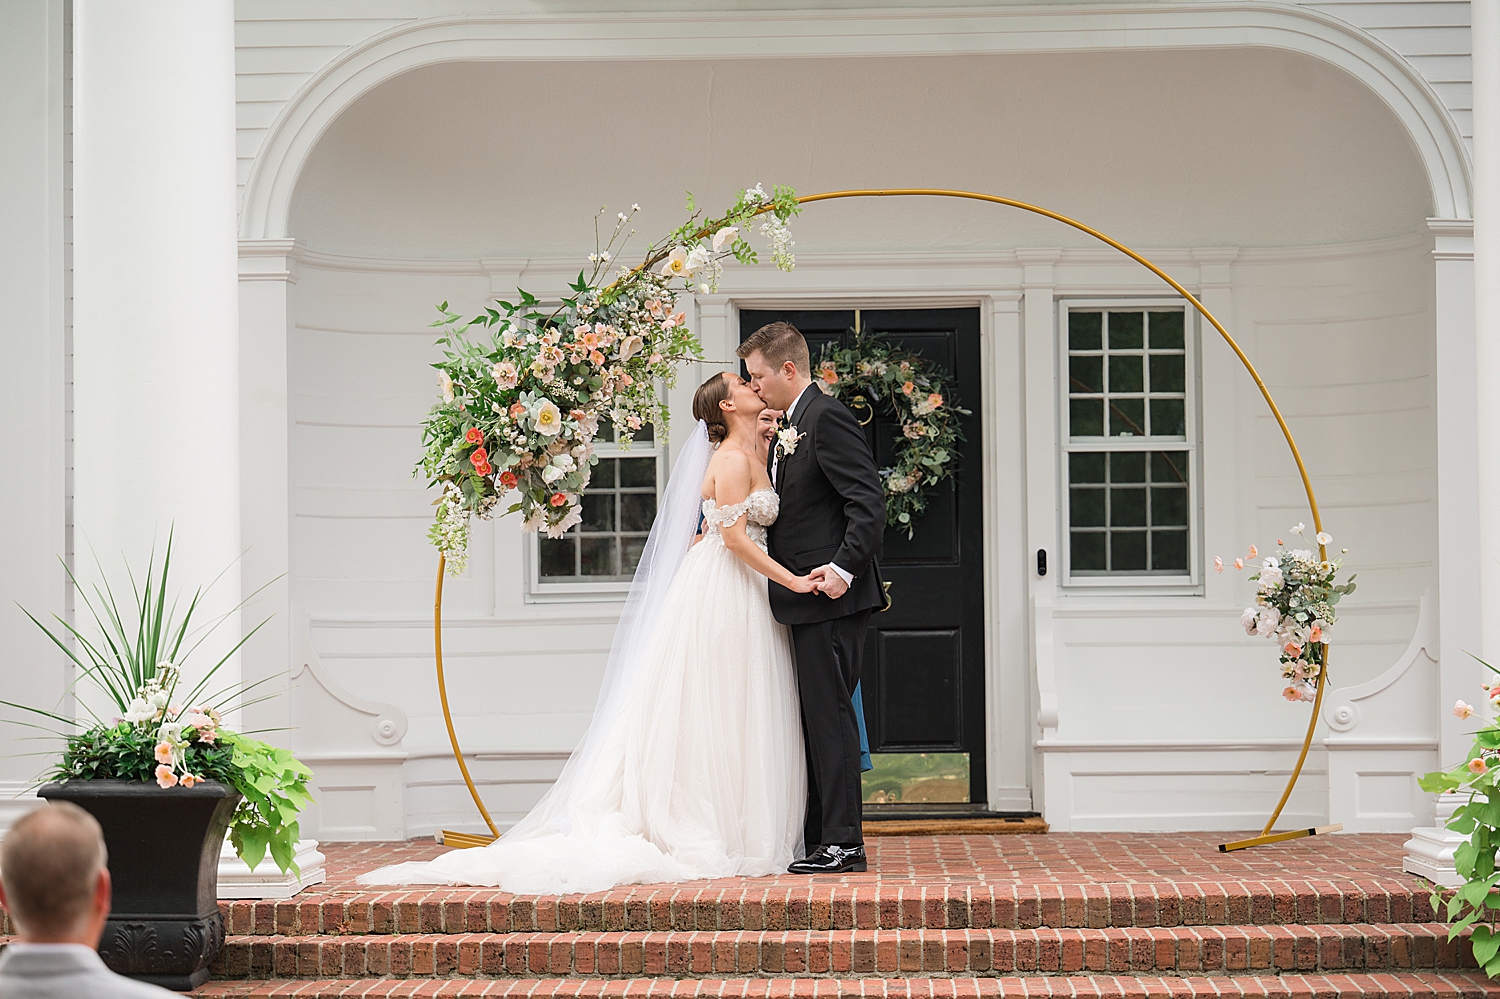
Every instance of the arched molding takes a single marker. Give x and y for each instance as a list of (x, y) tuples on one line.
[(831, 34)]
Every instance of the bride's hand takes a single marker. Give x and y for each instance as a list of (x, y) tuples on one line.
[(803, 584)]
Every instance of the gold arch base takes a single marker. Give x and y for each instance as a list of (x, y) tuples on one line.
[(1266, 836)]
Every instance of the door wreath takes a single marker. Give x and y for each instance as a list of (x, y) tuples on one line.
[(874, 377)]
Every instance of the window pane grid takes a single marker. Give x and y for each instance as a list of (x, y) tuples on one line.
[(1128, 454), (618, 509), (1127, 374)]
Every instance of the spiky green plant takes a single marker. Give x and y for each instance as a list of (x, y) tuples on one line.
[(137, 652)]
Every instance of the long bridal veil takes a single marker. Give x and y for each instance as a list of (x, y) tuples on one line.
[(671, 537), (573, 839)]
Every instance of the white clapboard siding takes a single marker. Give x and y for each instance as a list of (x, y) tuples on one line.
[(1432, 35), (281, 43)]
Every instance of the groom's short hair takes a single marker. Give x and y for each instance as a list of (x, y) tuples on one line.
[(779, 343)]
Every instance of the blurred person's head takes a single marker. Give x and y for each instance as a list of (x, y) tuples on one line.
[(54, 881), (769, 419)]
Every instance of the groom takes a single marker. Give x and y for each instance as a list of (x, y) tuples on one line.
[(831, 524)]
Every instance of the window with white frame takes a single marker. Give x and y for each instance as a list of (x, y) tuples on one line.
[(1130, 443), (599, 555)]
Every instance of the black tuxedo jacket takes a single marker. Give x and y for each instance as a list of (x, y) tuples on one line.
[(832, 510)]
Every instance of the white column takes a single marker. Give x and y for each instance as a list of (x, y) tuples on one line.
[(1039, 345), (1485, 46), (156, 331), (267, 276), (33, 316), (1224, 385), (1008, 715), (1463, 592)]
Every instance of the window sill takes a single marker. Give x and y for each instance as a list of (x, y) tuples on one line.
[(580, 593), (1131, 586)]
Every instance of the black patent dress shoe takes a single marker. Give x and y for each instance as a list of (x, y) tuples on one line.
[(831, 860)]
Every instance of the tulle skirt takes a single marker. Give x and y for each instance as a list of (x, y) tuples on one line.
[(702, 773)]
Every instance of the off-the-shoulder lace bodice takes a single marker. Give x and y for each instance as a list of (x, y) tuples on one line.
[(759, 508)]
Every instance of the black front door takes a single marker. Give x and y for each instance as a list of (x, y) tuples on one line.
[(923, 679)]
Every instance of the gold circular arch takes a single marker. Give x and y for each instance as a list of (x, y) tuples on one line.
[(1266, 836)]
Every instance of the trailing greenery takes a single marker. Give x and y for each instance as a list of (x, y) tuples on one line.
[(1475, 906), (523, 392), (165, 732), (873, 376)]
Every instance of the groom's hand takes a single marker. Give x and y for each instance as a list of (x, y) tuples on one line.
[(830, 583)]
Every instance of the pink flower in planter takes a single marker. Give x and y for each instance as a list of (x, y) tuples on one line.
[(1462, 709), (165, 777), (164, 752), (1477, 765)]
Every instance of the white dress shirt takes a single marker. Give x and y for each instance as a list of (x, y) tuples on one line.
[(847, 577)]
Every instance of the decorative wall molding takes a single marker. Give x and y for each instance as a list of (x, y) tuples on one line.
[(1384, 736), (16, 799), (826, 33), (358, 792)]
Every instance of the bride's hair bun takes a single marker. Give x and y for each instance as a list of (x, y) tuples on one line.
[(706, 406)]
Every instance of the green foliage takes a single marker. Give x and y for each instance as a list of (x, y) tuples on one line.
[(274, 786), (1476, 903), (524, 392), (136, 657), (271, 781), (873, 376)]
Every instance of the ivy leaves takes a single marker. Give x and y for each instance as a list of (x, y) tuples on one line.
[(873, 377), (274, 786)]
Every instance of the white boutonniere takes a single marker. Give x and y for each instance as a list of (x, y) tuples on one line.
[(787, 440)]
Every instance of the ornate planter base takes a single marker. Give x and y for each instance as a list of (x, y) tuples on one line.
[(172, 953), (164, 926)]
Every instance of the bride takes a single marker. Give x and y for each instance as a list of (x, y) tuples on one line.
[(693, 764)]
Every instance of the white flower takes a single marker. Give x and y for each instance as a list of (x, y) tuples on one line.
[(1247, 620), (158, 699), (756, 195), (1270, 577), (552, 473), (140, 710), (787, 440), (575, 516), (631, 346), (1324, 539), (563, 461), (724, 235), (196, 719), (505, 374), (1270, 617), (676, 264), (697, 258), (1298, 527), (445, 384), (171, 732), (548, 417)]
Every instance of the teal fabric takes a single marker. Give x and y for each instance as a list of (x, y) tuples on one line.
[(864, 737)]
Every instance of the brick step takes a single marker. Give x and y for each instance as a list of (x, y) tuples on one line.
[(1392, 986), (811, 905), (873, 953)]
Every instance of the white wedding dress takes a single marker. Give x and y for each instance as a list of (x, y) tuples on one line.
[(696, 771)]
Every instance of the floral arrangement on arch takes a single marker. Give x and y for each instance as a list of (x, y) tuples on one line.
[(1295, 603), (522, 403), (871, 373), (1472, 904)]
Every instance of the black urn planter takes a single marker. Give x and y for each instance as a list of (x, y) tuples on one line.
[(164, 926)]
